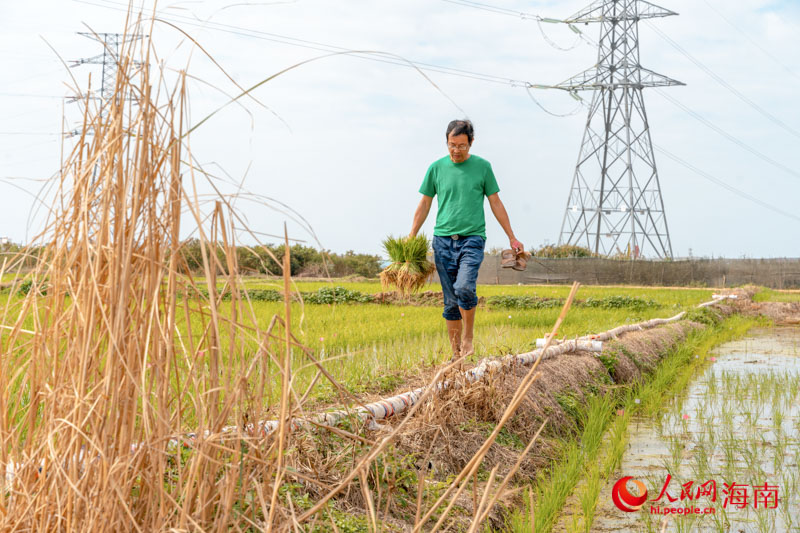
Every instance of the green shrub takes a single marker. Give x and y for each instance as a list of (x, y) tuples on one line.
[(703, 315), (523, 302), (26, 286), (324, 295), (304, 260), (563, 251), (534, 302), (620, 302), (336, 295)]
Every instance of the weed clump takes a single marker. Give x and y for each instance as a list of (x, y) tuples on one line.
[(336, 295), (704, 315), (535, 302), (410, 268), (323, 295), (30, 285), (523, 302), (620, 302)]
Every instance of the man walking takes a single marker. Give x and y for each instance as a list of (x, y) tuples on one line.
[(460, 180)]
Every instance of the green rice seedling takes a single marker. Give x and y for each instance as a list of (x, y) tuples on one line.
[(588, 498), (650, 525), (410, 268), (729, 451), (576, 523), (765, 520), (794, 388), (777, 417), (711, 386), (618, 443), (676, 454), (719, 520), (700, 465)]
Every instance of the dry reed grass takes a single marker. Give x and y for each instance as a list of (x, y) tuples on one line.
[(100, 389), (98, 384), (112, 419)]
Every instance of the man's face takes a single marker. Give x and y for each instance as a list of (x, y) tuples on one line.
[(458, 147)]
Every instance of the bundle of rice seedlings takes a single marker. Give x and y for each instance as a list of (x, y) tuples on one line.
[(410, 268)]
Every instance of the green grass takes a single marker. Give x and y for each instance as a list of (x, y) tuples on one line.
[(378, 349), (370, 340), (665, 296), (771, 295), (375, 348)]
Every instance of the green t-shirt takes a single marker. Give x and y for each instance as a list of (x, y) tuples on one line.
[(460, 188)]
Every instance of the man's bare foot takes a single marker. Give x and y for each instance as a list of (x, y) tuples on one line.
[(456, 353), (466, 347)]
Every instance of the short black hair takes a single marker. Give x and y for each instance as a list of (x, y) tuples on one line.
[(460, 127)]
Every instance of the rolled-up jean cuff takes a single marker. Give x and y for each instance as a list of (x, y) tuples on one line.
[(451, 316), (468, 306)]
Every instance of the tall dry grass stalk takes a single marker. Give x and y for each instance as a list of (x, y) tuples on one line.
[(114, 356), (98, 382)]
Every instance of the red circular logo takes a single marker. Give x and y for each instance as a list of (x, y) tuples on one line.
[(626, 501)]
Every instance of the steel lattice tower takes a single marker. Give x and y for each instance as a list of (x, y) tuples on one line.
[(615, 204), (109, 60)]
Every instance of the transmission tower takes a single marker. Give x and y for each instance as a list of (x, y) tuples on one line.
[(109, 60), (615, 204)]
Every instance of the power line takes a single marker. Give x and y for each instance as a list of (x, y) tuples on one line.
[(559, 115), (721, 183), (725, 84), (27, 95), (752, 41), (579, 37), (381, 57), (717, 181), (369, 55), (315, 45), (499, 10), (526, 16), (28, 133), (728, 136)]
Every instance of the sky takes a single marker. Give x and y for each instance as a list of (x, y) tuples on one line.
[(345, 142)]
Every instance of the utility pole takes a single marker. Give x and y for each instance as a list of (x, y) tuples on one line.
[(615, 205)]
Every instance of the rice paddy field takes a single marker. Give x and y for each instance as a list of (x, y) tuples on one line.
[(373, 347), (133, 391), (728, 446)]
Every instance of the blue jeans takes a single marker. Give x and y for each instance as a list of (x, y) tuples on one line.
[(457, 262)]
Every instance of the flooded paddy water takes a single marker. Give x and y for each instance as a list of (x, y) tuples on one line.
[(728, 448)]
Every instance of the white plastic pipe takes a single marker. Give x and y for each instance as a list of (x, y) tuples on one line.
[(583, 344), (402, 402)]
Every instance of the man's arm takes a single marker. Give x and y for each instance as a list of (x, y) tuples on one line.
[(501, 215), (421, 214)]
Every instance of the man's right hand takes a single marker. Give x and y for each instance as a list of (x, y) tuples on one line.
[(420, 214)]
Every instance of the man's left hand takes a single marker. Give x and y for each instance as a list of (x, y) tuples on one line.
[(516, 245)]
